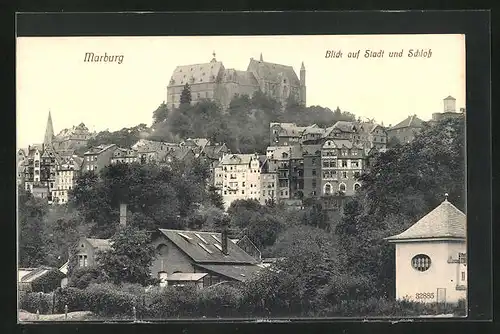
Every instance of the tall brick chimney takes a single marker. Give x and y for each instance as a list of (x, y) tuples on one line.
[(123, 215)]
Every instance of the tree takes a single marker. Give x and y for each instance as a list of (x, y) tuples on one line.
[(186, 95), (393, 142), (402, 185), (130, 257), (160, 114), (31, 212)]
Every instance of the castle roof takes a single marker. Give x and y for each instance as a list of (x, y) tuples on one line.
[(242, 78), (196, 73), (271, 72), (445, 221), (450, 98)]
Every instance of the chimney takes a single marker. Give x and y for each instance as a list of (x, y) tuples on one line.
[(123, 215), (224, 239)]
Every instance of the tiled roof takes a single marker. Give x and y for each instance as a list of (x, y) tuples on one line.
[(189, 242), (271, 72), (100, 244), (237, 272), (201, 73), (445, 221), (410, 121), (450, 98), (99, 149), (237, 159), (311, 149), (344, 126), (242, 78), (293, 152), (35, 274)]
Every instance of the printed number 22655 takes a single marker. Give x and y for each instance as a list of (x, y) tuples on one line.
[(424, 295)]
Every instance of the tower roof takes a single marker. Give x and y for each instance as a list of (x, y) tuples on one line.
[(450, 98), (302, 67), (49, 131), (445, 221)]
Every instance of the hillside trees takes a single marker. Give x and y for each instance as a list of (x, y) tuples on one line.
[(157, 197), (125, 137), (31, 212), (403, 185)]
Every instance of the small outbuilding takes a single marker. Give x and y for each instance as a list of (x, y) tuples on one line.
[(431, 257)]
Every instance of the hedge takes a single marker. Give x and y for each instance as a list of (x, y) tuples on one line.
[(36, 301)]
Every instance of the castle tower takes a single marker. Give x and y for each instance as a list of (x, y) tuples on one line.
[(303, 84), (49, 132), (449, 104)]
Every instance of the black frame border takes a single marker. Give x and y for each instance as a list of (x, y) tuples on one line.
[(475, 24)]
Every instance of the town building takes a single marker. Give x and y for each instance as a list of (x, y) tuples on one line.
[(342, 163), (214, 82), (88, 249), (312, 170), (288, 164), (268, 182), (406, 130), (431, 257), (65, 179), (124, 156), (69, 140), (96, 158), (39, 166), (199, 258), (241, 177)]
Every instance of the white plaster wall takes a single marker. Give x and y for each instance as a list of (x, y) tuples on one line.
[(441, 274)]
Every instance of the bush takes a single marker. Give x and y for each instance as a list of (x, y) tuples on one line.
[(108, 300), (33, 301), (173, 302), (81, 278), (76, 300), (219, 301)]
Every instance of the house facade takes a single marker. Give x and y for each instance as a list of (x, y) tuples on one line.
[(431, 257), (241, 177), (87, 251), (65, 179), (98, 157), (406, 130)]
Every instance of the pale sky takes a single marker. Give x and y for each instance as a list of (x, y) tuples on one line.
[(52, 75)]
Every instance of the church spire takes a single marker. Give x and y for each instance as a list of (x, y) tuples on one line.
[(261, 59), (49, 131), (213, 59), (302, 67)]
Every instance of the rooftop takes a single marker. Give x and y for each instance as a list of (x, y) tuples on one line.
[(445, 221)]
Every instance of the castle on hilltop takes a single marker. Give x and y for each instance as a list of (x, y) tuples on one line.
[(213, 81)]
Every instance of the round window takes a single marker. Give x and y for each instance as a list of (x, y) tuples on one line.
[(162, 250), (421, 262)]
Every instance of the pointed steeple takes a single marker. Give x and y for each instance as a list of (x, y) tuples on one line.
[(49, 131), (302, 67), (261, 59)]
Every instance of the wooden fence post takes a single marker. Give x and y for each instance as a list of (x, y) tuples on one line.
[(134, 311), (66, 311)]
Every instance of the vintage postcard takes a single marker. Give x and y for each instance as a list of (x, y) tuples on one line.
[(241, 177)]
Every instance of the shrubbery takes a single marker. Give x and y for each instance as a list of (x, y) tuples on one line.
[(82, 277), (36, 301)]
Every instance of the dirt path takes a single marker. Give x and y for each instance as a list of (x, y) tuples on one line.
[(72, 316)]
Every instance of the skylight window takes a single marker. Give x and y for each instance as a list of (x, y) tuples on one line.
[(205, 248), (201, 238), (219, 247), (216, 238), (185, 236)]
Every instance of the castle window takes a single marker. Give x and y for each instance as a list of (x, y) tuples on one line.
[(421, 262), (342, 187)]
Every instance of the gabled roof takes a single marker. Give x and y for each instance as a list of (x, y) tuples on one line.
[(273, 72), (238, 159), (449, 97), (35, 274), (311, 149), (445, 221), (344, 126), (99, 149), (292, 152), (190, 243), (186, 277), (243, 78), (410, 121), (100, 244)]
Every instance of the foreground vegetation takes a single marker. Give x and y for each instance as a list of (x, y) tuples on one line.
[(334, 265)]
